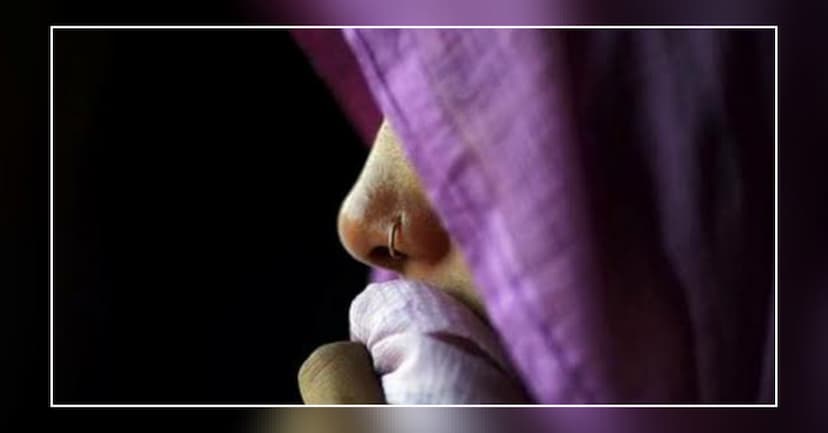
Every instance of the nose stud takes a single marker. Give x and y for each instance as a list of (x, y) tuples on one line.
[(392, 239)]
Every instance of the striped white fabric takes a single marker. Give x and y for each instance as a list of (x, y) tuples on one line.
[(428, 348)]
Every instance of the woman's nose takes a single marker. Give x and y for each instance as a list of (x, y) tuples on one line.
[(386, 220)]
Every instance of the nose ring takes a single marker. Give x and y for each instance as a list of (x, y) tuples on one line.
[(392, 239)]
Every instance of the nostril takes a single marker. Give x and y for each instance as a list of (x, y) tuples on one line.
[(382, 255)]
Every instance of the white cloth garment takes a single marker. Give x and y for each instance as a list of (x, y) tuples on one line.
[(429, 348)]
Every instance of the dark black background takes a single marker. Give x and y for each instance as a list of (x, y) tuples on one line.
[(197, 177)]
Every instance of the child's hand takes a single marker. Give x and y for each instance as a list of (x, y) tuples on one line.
[(340, 373)]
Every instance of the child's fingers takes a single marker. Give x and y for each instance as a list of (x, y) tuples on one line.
[(340, 373)]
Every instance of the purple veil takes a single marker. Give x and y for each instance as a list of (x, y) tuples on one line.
[(612, 192)]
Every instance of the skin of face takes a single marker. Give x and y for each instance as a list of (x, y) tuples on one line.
[(389, 190)]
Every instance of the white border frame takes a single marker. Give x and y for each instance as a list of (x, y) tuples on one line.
[(775, 29)]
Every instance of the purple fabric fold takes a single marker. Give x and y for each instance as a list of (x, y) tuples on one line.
[(611, 192), (332, 60)]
